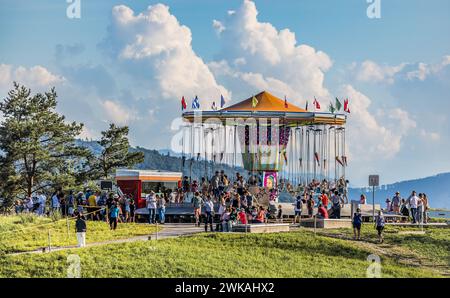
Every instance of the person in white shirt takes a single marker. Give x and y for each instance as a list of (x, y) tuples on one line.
[(209, 211), (413, 201), (151, 206)]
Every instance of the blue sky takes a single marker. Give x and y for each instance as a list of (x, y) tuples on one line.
[(394, 69)]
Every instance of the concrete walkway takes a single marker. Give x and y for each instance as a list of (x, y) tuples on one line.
[(167, 231)]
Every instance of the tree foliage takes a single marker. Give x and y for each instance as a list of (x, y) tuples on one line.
[(115, 153), (37, 144)]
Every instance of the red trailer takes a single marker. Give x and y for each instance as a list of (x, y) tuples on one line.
[(138, 183)]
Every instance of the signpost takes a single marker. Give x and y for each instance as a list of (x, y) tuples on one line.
[(374, 180)]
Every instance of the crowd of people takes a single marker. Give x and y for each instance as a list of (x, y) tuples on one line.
[(415, 207), (94, 205), (223, 202)]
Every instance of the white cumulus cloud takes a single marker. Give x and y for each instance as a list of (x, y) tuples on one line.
[(32, 77), (154, 46), (369, 136), (257, 56)]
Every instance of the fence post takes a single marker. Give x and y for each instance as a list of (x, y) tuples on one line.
[(49, 241), (315, 221)]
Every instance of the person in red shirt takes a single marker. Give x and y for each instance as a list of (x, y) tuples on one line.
[(324, 199), (242, 216), (322, 211)]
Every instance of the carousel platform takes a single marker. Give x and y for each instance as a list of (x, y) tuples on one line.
[(329, 223), (261, 228)]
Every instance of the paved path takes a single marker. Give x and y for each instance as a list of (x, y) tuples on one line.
[(168, 231)]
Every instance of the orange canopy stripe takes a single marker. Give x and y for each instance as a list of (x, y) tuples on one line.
[(266, 103)]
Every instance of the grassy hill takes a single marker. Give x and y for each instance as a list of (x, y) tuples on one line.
[(293, 254)]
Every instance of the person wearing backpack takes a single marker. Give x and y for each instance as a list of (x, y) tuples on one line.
[(298, 205), (357, 221)]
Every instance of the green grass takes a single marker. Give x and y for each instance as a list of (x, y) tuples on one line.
[(28, 232), (294, 254), (429, 246)]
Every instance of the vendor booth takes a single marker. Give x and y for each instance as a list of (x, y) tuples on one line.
[(138, 183)]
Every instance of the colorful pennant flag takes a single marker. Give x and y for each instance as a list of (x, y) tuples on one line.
[(222, 101), (254, 101), (306, 107), (213, 107), (196, 103), (338, 104), (331, 108), (183, 104), (285, 102), (316, 103), (346, 108)]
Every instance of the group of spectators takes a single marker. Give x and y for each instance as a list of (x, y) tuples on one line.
[(223, 202), (415, 207), (94, 205)]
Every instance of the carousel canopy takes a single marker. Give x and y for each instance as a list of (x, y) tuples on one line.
[(268, 106), (266, 103)]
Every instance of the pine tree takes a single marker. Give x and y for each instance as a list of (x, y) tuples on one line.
[(115, 153), (37, 145)]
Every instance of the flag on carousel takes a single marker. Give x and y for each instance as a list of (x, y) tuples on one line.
[(285, 102), (331, 108), (183, 104), (222, 101), (338, 104), (196, 103), (316, 103), (213, 107), (346, 108), (306, 107), (254, 101)]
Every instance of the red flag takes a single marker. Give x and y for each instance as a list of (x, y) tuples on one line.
[(285, 102), (346, 108), (183, 104), (316, 103)]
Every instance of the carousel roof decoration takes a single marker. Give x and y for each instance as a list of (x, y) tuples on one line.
[(267, 105), (299, 144)]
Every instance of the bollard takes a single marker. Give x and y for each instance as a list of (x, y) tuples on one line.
[(315, 223), (49, 241)]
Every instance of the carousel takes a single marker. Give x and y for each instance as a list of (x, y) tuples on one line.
[(268, 137)]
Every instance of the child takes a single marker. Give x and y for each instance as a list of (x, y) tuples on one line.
[(379, 225), (280, 214), (357, 220)]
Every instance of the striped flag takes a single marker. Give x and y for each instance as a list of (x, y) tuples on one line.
[(196, 103), (346, 108)]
